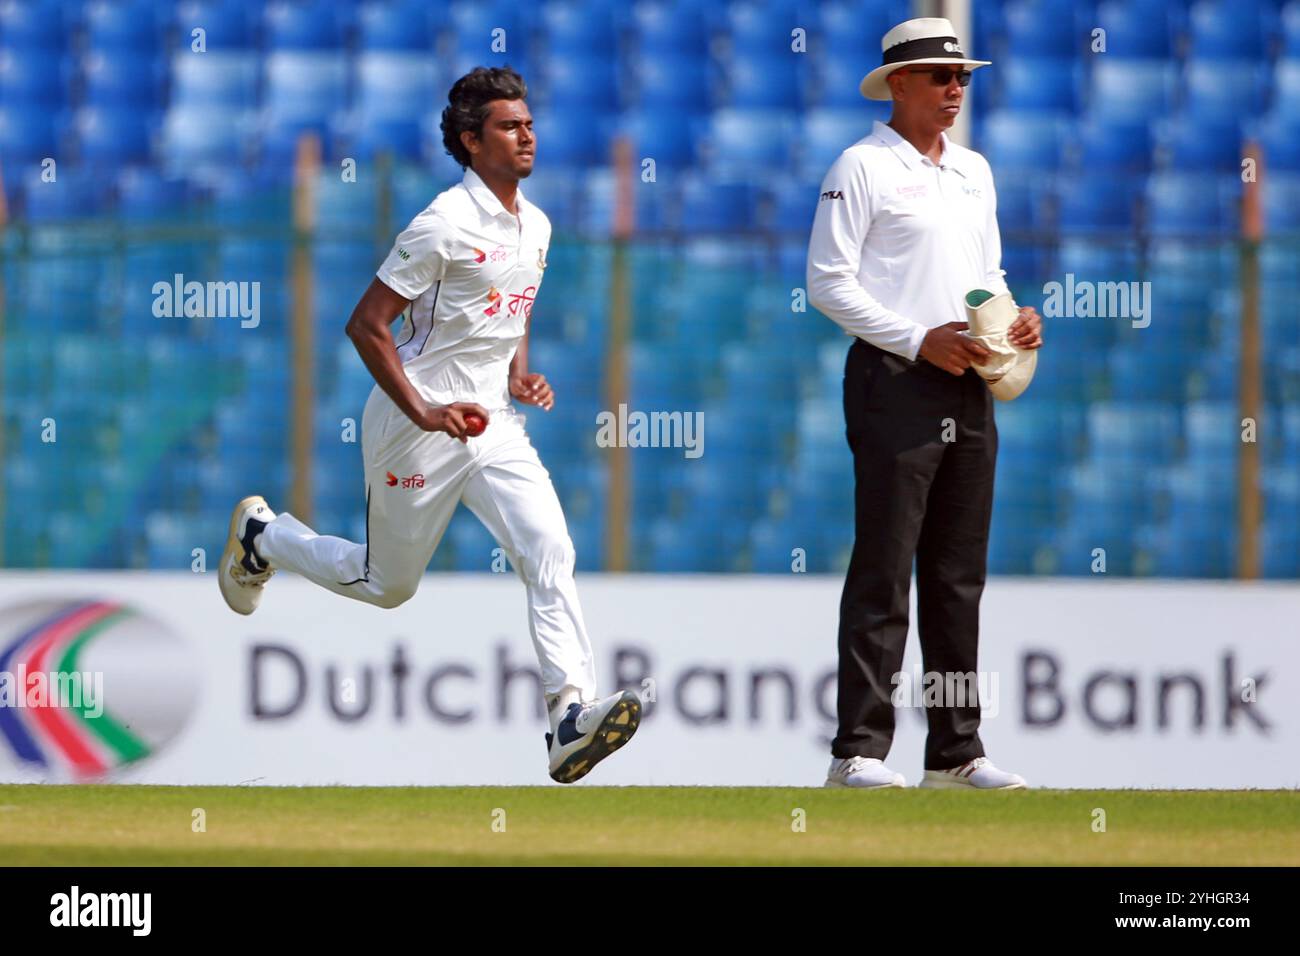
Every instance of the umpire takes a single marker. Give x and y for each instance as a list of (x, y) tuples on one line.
[(905, 227)]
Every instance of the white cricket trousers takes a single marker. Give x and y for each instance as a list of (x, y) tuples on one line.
[(414, 480)]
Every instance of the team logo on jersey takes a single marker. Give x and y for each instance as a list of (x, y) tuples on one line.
[(412, 481), (494, 301), (479, 254), (403, 254)]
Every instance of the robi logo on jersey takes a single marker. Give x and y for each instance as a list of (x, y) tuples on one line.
[(413, 481)]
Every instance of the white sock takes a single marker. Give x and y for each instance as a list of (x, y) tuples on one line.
[(558, 703)]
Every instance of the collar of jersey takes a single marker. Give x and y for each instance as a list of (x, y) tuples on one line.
[(486, 198), (908, 153)]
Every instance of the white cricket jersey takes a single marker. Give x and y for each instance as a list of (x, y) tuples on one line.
[(471, 270), (897, 241)]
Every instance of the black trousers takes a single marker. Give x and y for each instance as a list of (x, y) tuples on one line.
[(918, 497)]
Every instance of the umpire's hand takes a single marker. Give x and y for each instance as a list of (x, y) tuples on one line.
[(953, 352)]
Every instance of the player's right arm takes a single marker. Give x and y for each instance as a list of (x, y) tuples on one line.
[(371, 333)]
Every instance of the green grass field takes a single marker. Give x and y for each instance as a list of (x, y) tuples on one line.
[(131, 825)]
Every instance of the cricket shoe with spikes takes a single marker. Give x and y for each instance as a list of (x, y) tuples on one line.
[(243, 573), (588, 733)]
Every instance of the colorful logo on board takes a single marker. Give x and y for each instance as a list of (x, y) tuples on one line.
[(88, 687)]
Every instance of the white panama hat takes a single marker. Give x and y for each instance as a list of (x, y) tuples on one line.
[(924, 40)]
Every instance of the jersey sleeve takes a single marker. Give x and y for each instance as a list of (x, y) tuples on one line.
[(994, 275), (839, 231), (419, 257)]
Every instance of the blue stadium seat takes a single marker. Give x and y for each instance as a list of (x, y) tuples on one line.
[(1045, 26), (114, 137), (1100, 258), (1286, 84), (1141, 433), (572, 28), (826, 133), (143, 193), (122, 25), (1224, 30), (1191, 204), (571, 138), (1137, 30), (35, 25), (744, 141), (1100, 144), (1042, 83), (1096, 203), (1138, 376), (670, 29), (793, 205), (304, 87), (28, 134), (1290, 27), (398, 25), (673, 85), (1200, 146), (756, 82), (1217, 90), (304, 25), (1043, 433), (380, 74), (227, 24), (588, 84), (852, 29), (33, 77), (1016, 142), (713, 205), (474, 33), (122, 78), (1281, 203), (1279, 139), (203, 136), (760, 30), (836, 85), (226, 80), (1132, 90)]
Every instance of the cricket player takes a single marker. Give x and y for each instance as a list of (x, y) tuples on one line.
[(905, 234), (464, 275)]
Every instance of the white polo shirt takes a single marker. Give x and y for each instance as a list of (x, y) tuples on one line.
[(471, 270), (897, 241)]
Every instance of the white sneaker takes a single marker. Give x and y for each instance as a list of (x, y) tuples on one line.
[(862, 773), (588, 733), (242, 573), (978, 774)]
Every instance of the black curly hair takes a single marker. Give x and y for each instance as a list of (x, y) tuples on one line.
[(467, 108)]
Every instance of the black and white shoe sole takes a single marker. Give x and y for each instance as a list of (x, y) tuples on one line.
[(614, 731)]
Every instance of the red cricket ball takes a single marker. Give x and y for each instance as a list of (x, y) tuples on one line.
[(474, 424)]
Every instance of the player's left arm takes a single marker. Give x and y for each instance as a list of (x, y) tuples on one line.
[(1027, 331), (529, 388)]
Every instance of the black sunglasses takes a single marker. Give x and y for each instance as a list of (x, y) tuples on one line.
[(942, 76)]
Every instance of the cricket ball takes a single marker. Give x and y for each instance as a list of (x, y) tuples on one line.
[(474, 424)]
